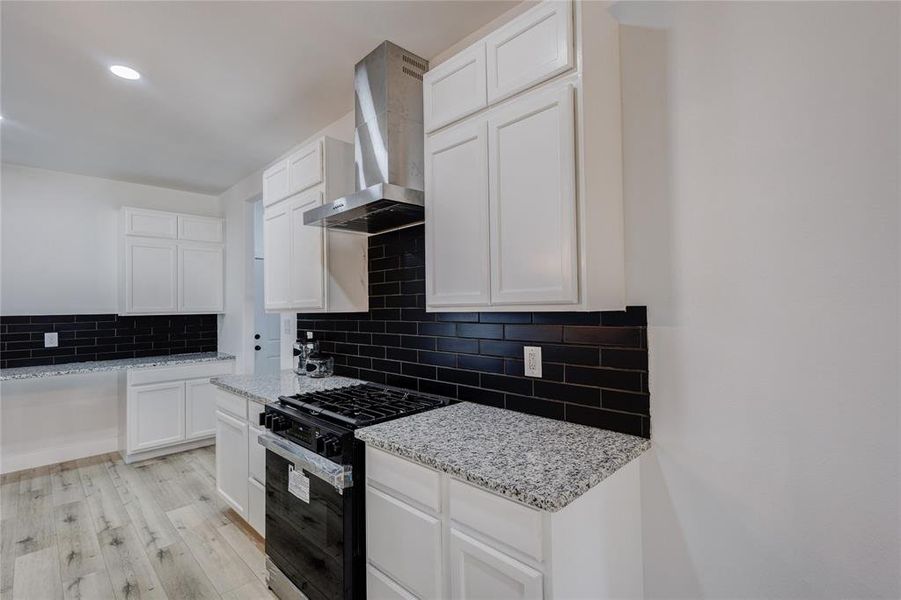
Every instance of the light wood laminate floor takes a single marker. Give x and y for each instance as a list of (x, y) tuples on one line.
[(97, 528)]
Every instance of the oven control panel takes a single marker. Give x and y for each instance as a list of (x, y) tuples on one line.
[(307, 435)]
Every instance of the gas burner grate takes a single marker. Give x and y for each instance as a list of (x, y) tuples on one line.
[(363, 404)]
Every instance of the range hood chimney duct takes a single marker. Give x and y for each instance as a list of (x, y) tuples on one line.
[(388, 146)]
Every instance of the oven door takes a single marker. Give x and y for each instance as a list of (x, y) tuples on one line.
[(310, 536)]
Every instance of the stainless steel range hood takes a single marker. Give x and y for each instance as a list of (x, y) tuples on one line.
[(388, 146)]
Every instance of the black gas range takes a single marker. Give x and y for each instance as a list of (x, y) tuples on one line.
[(315, 513)]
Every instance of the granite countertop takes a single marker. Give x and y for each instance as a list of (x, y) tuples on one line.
[(537, 461), (267, 388), (96, 366)]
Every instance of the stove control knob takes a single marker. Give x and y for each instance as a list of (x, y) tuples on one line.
[(267, 420), (280, 424), (331, 446)]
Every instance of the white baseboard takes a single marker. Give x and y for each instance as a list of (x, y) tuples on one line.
[(50, 455), (157, 452)]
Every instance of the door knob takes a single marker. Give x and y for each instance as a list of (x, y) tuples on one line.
[(257, 348)]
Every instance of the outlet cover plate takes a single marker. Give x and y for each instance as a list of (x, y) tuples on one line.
[(532, 357), (51, 340)]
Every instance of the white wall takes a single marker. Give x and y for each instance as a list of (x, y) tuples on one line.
[(236, 333), (58, 239), (762, 192)]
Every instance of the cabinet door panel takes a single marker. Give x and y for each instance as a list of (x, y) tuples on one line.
[(231, 461), (530, 49), (456, 217), (156, 415), (381, 587), (256, 455), (307, 255), (305, 168), (479, 571), (200, 408), (200, 229), (150, 223), (200, 271), (532, 198), (275, 183), (454, 88), (256, 506), (151, 276), (404, 542), (277, 255)]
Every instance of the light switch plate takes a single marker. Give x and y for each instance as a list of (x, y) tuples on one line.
[(51, 340), (532, 356)]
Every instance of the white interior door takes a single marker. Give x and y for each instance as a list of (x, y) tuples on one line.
[(532, 169), (267, 335)]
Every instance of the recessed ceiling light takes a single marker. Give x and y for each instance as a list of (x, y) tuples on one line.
[(124, 72)]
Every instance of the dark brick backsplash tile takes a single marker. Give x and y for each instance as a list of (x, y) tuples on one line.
[(441, 359), (472, 394), (438, 387), (458, 376), (535, 406), (516, 385), (480, 363), (438, 328), (505, 317), (491, 331), (590, 396), (604, 378), (603, 336), (534, 333), (458, 345), (102, 337), (606, 419), (625, 401), (594, 368)]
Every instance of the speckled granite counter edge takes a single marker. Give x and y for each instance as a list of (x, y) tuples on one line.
[(99, 366), (550, 503), (244, 393)]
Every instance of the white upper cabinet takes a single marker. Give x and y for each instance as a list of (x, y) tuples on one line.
[(277, 256), (529, 49), (456, 216), (308, 246), (305, 168), (275, 182), (200, 229), (200, 273), (532, 198), (455, 88), (547, 147), (151, 284), (171, 263), (307, 267), (151, 223)]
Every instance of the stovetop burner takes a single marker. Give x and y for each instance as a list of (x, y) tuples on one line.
[(363, 404)]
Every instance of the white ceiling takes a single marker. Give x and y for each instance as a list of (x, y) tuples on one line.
[(226, 86)]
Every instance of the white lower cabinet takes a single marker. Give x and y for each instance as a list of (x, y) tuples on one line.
[(200, 408), (479, 571), (167, 409), (157, 417), (405, 542), (231, 461), (240, 460), (469, 543)]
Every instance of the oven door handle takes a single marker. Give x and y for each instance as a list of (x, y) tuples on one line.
[(337, 475)]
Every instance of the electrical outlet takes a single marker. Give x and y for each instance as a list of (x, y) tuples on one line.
[(51, 340), (532, 356)]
